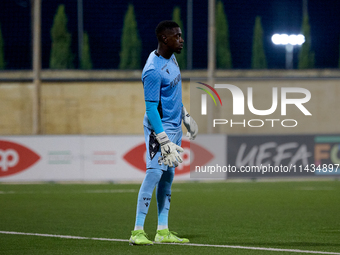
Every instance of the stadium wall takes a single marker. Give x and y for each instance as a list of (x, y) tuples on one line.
[(111, 102)]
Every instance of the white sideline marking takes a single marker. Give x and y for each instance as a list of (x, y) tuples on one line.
[(187, 244), (85, 191), (62, 236), (99, 191)]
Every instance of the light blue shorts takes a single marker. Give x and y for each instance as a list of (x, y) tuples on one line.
[(153, 149)]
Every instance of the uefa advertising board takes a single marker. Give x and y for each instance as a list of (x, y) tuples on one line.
[(122, 158), (283, 156)]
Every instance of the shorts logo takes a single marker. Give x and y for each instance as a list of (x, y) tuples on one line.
[(160, 160), (153, 145)]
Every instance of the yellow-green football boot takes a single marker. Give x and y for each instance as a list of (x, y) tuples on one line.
[(166, 236), (139, 237)]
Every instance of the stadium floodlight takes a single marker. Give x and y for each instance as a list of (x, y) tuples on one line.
[(289, 41)]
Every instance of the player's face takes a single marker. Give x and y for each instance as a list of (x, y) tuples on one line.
[(175, 40)]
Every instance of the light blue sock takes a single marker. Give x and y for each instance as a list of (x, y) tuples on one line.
[(150, 181), (163, 192)]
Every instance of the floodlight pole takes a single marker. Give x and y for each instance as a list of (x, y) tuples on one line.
[(36, 35), (289, 41), (211, 39), (211, 56), (289, 56)]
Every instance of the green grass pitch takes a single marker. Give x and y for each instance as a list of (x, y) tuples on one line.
[(286, 215)]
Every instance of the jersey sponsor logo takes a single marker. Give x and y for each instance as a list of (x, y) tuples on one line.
[(175, 81), (193, 154), (15, 158)]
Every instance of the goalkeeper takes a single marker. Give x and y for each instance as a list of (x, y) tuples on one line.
[(163, 132)]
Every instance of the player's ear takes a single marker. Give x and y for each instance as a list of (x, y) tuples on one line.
[(164, 39)]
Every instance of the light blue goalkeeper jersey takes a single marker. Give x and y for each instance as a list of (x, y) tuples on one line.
[(162, 82)]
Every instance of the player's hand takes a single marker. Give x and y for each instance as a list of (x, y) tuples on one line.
[(190, 124), (169, 150)]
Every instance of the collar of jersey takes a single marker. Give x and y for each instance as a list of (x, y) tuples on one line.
[(159, 55)]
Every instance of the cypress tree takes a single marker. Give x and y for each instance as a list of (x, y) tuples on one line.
[(86, 62), (258, 60), (61, 54), (223, 55), (306, 56), (2, 52), (181, 58), (131, 45)]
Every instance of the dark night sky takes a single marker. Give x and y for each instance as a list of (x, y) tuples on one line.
[(103, 20)]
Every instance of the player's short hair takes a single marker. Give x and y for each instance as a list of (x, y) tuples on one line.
[(165, 25)]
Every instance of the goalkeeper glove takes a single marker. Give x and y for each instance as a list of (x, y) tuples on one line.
[(190, 124), (169, 150)]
